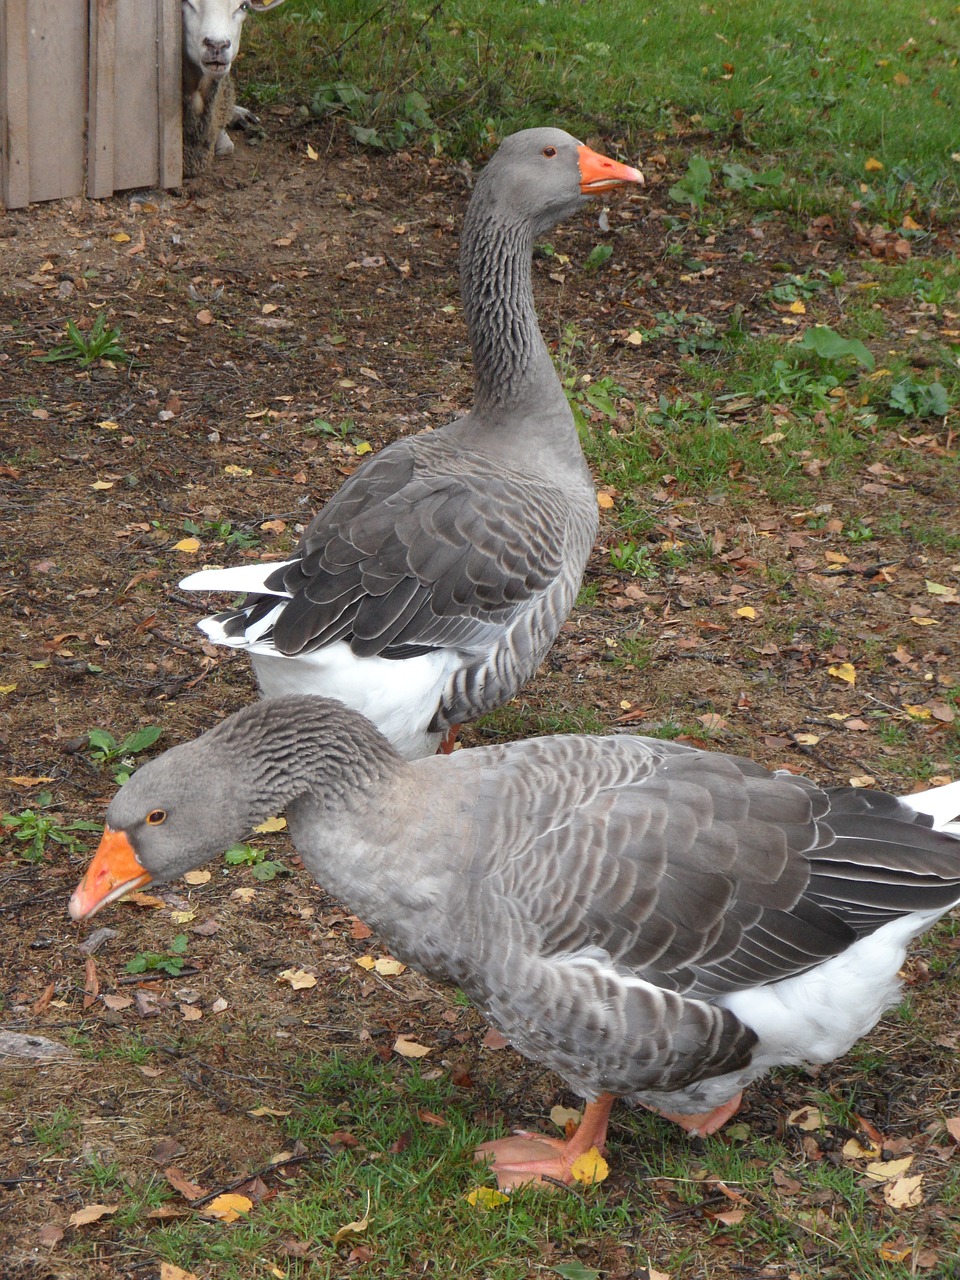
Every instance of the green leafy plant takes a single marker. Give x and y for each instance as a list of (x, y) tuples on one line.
[(261, 867), (828, 345), (222, 531), (170, 962), (105, 749), (34, 828), (693, 186), (738, 177), (630, 557), (919, 399), (598, 255), (100, 343), (381, 120)]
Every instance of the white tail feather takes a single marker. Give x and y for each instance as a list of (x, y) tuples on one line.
[(242, 577), (941, 803)]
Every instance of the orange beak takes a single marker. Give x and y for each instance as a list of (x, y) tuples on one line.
[(113, 872), (597, 173)]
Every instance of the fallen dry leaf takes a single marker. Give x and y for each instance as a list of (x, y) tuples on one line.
[(410, 1048), (485, 1198), (91, 1213), (271, 824), (904, 1193), (887, 1170), (189, 1190), (299, 979), (228, 1207), (389, 967), (806, 1118), (190, 545), (354, 1228), (170, 1272), (844, 671), (196, 877), (589, 1168), (562, 1116), (50, 1235)]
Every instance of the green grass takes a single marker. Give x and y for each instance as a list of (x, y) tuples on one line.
[(818, 84)]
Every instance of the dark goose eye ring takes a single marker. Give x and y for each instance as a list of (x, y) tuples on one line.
[(549, 152), (155, 817)]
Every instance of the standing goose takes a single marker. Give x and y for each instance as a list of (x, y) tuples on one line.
[(649, 920), (432, 584)]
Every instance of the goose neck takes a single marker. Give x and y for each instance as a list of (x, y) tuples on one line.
[(509, 355)]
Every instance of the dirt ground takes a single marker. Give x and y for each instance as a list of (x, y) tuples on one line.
[(282, 290)]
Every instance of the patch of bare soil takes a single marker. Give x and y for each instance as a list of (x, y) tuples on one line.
[(276, 295)]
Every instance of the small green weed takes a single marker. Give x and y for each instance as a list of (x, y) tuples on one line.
[(105, 749), (693, 186), (598, 255), (54, 1131), (632, 558), (100, 343), (170, 962), (381, 120), (222, 531), (261, 868), (919, 399), (33, 828)]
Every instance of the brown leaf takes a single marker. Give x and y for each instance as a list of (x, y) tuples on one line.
[(42, 1003), (165, 1150), (91, 1213), (91, 986), (408, 1048), (494, 1039), (50, 1235), (359, 930), (953, 1128), (168, 1271), (189, 1190)]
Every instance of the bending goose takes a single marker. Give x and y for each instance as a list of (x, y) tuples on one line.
[(432, 584), (649, 920)]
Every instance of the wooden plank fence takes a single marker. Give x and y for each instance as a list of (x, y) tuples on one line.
[(89, 97)]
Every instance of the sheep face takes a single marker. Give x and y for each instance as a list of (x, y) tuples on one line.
[(211, 34)]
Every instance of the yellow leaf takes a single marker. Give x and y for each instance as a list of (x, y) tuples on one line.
[(938, 589), (485, 1198), (169, 1272), (773, 438), (354, 1228), (311, 154), (901, 79), (855, 1150), (635, 338), (363, 447), (244, 895), (91, 1213), (102, 484), (798, 308), (908, 223), (109, 425), (8, 688), (299, 979), (121, 237), (19, 780), (925, 622), (410, 1048), (268, 308), (229, 1206), (917, 711), (196, 877), (271, 824), (189, 545), (806, 1118), (873, 166), (863, 780), (589, 1167), (747, 611), (182, 917), (562, 1116), (266, 1111), (604, 501), (889, 1254), (366, 962), (231, 469), (904, 1193), (807, 739), (845, 671), (887, 1170), (389, 967)]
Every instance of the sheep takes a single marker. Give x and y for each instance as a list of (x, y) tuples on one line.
[(211, 39)]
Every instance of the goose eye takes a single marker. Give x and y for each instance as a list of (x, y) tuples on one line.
[(549, 152), (155, 817)]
